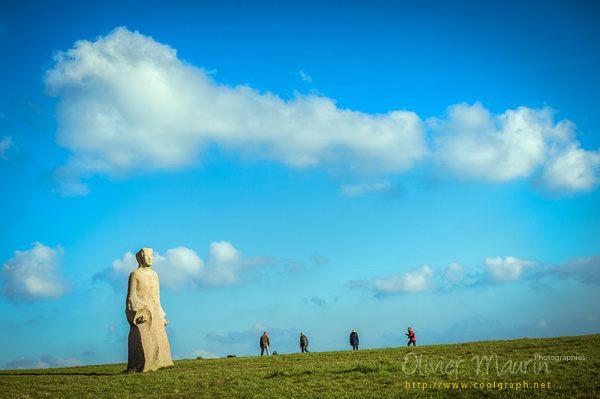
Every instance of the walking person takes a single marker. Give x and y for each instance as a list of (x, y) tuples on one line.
[(264, 343), (303, 343), (354, 340), (411, 337)]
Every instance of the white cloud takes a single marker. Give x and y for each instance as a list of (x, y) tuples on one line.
[(507, 269), (33, 275), (118, 274), (475, 144), (179, 268), (260, 327), (495, 270), (182, 267), (69, 175), (351, 190), (42, 362), (127, 102), (458, 275), (5, 144), (571, 169), (305, 77), (542, 323), (585, 268), (125, 265), (416, 280), (455, 273), (223, 264)]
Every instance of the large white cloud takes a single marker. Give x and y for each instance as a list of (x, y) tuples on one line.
[(509, 268), (571, 169), (33, 275), (181, 267), (413, 281), (476, 144), (506, 269), (224, 263), (127, 101), (495, 270)]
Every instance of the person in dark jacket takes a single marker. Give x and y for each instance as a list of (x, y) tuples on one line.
[(354, 340), (303, 343), (411, 337), (264, 343)]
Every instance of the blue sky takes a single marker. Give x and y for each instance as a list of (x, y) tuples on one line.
[(316, 167)]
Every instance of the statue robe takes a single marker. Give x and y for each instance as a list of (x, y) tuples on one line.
[(148, 343)]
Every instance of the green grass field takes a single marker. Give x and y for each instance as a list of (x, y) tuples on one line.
[(524, 367)]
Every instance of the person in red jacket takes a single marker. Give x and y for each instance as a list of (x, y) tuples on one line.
[(411, 337)]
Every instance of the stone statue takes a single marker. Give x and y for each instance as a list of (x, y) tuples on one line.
[(148, 343)]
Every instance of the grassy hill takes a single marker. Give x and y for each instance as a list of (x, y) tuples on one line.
[(559, 367)]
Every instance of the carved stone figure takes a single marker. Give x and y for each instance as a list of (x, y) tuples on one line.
[(148, 343)]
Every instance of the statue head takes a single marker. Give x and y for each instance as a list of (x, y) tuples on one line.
[(144, 257)]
